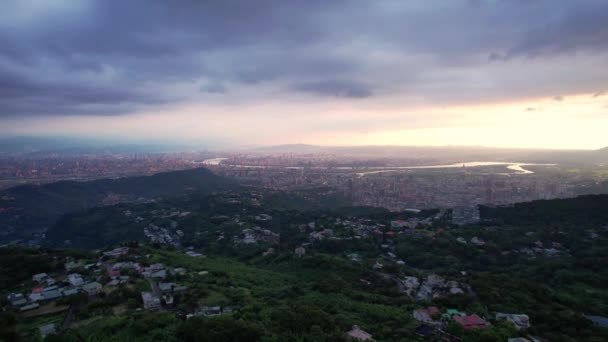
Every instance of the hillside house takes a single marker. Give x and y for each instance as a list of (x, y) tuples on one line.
[(211, 310), (116, 252), (426, 315), (75, 279), (521, 321), (356, 334), (17, 299), (151, 301), (471, 322), (40, 277), (52, 295), (92, 288), (71, 265), (300, 251)]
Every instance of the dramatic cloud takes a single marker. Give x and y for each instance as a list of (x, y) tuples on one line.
[(288, 60), (335, 88), (213, 88), (93, 56)]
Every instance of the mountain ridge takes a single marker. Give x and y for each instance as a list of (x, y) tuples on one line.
[(30, 208)]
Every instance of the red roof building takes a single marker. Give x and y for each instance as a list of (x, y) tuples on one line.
[(113, 273), (471, 322), (433, 311)]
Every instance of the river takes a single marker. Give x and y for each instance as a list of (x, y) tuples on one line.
[(514, 166)]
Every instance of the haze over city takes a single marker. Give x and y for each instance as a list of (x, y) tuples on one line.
[(526, 74)]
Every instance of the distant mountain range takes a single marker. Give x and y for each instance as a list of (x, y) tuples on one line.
[(66, 145), (28, 208)]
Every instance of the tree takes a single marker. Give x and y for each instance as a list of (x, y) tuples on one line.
[(218, 329), (8, 331)]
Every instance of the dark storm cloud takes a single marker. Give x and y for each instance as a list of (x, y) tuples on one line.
[(213, 88), (334, 88), (578, 26), (110, 56)]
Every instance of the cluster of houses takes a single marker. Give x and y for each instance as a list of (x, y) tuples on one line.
[(412, 223), (550, 250), (432, 320), (162, 235), (322, 235), (162, 292), (255, 235), (49, 290), (263, 218), (431, 287), (362, 227), (212, 311), (474, 241), (465, 215)]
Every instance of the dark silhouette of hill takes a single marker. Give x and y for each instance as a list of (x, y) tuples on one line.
[(29, 208), (588, 209)]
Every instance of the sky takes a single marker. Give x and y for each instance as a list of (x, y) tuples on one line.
[(504, 73)]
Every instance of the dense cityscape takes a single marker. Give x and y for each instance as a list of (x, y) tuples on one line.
[(393, 183)]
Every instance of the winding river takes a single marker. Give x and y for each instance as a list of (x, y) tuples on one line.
[(513, 166), (517, 167)]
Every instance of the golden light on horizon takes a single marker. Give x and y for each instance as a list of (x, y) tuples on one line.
[(572, 121)]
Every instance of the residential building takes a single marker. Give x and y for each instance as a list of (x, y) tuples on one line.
[(426, 315), (356, 334), (52, 295), (70, 292), (600, 321), (150, 300), (168, 299), (75, 279), (70, 265), (117, 252), (40, 277), (520, 321), (211, 310), (471, 322), (92, 288), (17, 299)]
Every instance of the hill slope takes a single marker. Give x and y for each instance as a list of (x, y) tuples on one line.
[(30, 208), (588, 209)]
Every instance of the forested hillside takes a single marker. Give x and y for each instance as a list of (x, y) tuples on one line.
[(33, 208)]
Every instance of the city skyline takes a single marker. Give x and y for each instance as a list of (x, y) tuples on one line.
[(464, 73)]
